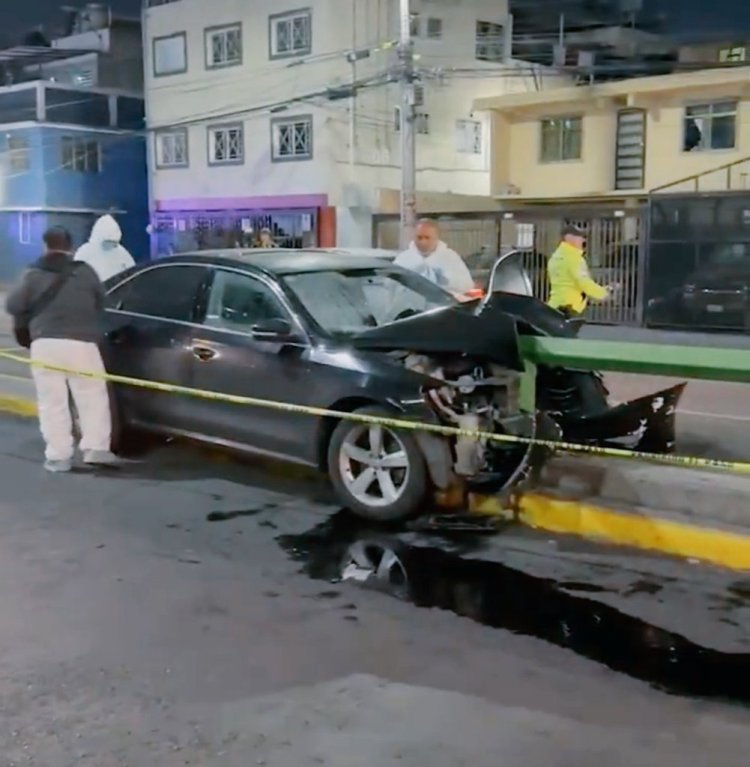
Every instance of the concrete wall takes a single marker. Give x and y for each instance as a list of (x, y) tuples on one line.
[(592, 174)]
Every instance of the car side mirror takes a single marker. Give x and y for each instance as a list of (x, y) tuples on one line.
[(277, 330)]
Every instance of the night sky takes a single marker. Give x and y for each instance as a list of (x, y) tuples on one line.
[(702, 17)]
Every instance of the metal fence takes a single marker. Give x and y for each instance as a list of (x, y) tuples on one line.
[(466, 234), (615, 250)]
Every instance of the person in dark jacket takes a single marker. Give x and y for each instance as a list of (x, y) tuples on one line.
[(65, 332)]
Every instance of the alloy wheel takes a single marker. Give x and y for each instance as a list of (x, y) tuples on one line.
[(374, 465)]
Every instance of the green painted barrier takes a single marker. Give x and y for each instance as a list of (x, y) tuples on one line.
[(707, 363)]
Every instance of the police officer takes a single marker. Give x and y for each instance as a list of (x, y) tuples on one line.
[(571, 285)]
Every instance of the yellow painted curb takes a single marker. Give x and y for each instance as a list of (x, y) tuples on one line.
[(18, 406), (543, 512)]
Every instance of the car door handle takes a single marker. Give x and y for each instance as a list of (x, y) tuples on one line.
[(203, 353), (118, 336)]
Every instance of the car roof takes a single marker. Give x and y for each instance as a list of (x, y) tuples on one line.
[(281, 261)]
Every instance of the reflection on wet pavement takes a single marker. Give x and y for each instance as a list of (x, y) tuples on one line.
[(434, 571)]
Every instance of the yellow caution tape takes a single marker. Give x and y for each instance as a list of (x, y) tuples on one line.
[(736, 467)]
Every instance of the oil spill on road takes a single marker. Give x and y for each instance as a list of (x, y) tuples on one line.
[(435, 573), (225, 516)]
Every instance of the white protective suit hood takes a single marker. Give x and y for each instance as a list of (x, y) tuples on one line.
[(103, 252)]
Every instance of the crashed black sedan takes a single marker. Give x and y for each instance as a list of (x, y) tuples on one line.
[(336, 331), (345, 333)]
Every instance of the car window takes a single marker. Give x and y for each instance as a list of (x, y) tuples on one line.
[(238, 301), (350, 301), (168, 292)]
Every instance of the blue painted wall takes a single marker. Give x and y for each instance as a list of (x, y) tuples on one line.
[(22, 187), (120, 184), (21, 237)]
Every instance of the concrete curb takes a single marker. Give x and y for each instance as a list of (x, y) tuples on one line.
[(694, 514), (604, 501), (641, 528)]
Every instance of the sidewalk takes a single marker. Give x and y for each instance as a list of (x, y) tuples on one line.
[(667, 337)]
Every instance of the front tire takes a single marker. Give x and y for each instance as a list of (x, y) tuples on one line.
[(377, 472)]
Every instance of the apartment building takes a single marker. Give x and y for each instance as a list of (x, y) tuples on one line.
[(252, 125), (615, 142), (671, 151)]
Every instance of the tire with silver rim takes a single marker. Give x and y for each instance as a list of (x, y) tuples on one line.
[(378, 564), (379, 473)]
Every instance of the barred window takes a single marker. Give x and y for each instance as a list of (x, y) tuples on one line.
[(81, 155), (224, 46), (490, 42), (172, 148), (292, 139), (226, 145), (290, 34)]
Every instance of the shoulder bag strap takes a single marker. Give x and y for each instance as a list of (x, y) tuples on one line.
[(51, 292)]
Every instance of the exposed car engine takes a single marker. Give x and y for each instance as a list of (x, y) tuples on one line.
[(475, 397)]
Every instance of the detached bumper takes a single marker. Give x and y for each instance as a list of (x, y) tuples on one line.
[(647, 424)]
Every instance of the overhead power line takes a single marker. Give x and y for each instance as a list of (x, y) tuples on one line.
[(331, 93)]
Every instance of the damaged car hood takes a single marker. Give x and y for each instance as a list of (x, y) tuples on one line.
[(449, 330)]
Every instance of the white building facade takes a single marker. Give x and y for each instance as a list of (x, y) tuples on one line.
[(251, 125)]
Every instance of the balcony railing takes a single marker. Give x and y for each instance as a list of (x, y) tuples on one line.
[(735, 176)]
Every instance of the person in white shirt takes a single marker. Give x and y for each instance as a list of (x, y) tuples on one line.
[(429, 256), (103, 252)]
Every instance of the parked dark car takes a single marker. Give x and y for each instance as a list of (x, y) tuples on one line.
[(326, 330), (713, 296)]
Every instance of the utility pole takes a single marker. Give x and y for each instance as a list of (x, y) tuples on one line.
[(407, 128)]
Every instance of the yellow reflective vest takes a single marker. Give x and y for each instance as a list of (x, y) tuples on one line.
[(570, 281)]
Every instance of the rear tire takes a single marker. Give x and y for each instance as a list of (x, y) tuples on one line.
[(377, 472)]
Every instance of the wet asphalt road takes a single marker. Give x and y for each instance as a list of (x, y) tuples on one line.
[(165, 614)]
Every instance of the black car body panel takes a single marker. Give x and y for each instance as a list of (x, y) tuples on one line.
[(533, 317), (449, 331)]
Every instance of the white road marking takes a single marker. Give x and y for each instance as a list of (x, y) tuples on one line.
[(722, 416)]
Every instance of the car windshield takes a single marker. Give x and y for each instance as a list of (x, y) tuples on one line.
[(345, 302)]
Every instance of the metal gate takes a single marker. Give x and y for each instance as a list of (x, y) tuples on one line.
[(470, 235), (615, 250)]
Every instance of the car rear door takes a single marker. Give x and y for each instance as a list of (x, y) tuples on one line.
[(228, 358), (148, 336)]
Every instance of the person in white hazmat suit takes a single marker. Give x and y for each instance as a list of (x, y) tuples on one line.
[(429, 256), (104, 252)]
